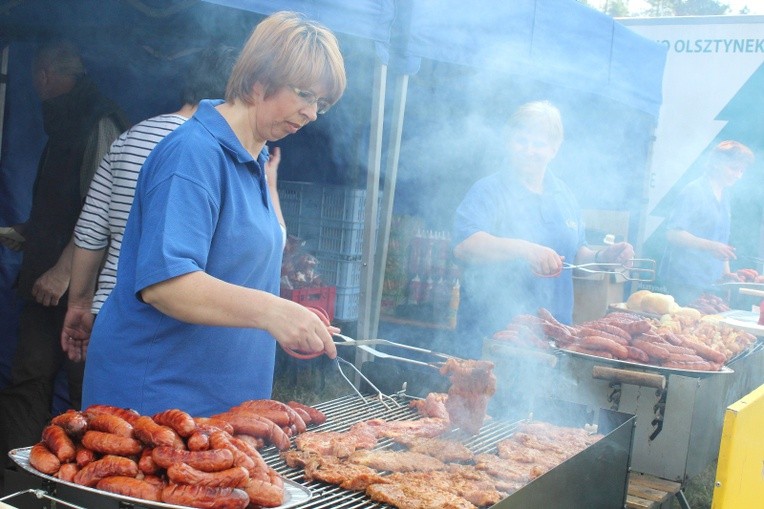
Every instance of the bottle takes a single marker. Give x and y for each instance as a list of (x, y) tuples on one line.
[(415, 290), (453, 305)]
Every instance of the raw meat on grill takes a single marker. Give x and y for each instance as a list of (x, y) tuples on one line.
[(396, 461), (449, 451)]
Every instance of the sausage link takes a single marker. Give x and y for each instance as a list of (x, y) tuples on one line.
[(609, 328), (183, 473), (598, 342), (199, 440), (43, 460), (589, 331), (635, 326), (146, 463), (705, 351), (270, 407), (655, 351), (130, 487), (73, 422), (212, 460), (684, 357), (110, 423), (180, 421), (67, 472), (153, 434), (108, 443), (125, 413), (263, 493), (221, 440), (84, 456), (59, 443), (249, 423), (591, 351), (105, 467), (210, 422), (637, 354), (205, 497)]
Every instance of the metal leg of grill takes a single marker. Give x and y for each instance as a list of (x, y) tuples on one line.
[(682, 500)]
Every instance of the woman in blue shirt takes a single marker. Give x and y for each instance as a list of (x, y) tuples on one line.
[(195, 315), (514, 229), (698, 229)]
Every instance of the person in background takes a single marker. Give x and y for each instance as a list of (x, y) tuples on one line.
[(747, 220), (80, 123), (515, 228), (99, 229), (195, 316), (697, 230)]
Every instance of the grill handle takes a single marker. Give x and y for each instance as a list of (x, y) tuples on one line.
[(626, 376)]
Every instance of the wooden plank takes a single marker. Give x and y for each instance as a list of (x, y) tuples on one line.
[(648, 493), (655, 483), (634, 502)]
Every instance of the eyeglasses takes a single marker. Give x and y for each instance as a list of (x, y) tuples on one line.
[(309, 98)]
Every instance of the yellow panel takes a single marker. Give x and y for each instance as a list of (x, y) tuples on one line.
[(740, 472)]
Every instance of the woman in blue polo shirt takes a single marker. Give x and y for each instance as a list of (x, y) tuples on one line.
[(195, 315), (514, 229), (698, 229)]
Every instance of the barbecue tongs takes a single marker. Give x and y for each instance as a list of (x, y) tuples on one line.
[(367, 344)]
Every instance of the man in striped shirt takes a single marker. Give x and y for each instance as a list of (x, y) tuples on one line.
[(99, 229)]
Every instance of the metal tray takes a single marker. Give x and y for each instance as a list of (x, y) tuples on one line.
[(725, 370), (294, 493)]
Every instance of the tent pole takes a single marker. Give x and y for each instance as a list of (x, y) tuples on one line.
[(388, 198), (372, 194), (3, 81)]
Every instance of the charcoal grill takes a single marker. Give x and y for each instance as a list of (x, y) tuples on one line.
[(595, 478)]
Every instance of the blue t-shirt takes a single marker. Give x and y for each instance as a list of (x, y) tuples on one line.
[(201, 204), (493, 294), (697, 211)]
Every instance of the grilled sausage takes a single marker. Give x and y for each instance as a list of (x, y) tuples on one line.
[(199, 440), (182, 473), (655, 351), (125, 413), (264, 493), (221, 440), (59, 443), (601, 343), (589, 331), (249, 423), (108, 443), (180, 421), (212, 460), (705, 351), (146, 463), (130, 487), (609, 328), (43, 460), (273, 410), (305, 415), (205, 497), (73, 422), (106, 467), (155, 435), (209, 422), (590, 351), (637, 354), (110, 423), (84, 456), (67, 472)]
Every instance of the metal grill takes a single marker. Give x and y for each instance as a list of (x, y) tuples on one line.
[(342, 413)]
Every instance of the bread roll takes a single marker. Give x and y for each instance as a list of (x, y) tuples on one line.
[(635, 300), (658, 303)]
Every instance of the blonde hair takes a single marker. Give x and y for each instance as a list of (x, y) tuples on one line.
[(541, 115), (287, 50), (730, 151)]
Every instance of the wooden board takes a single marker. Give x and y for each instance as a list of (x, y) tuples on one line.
[(649, 492)]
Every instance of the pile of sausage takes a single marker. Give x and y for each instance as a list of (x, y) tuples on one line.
[(621, 336), (172, 457)]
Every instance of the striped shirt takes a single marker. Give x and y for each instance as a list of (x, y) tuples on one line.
[(102, 221)]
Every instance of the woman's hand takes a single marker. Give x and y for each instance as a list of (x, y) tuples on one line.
[(622, 252), (721, 251), (544, 261), (297, 328), (272, 167)]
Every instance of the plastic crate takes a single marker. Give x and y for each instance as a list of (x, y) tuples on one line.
[(305, 230), (300, 199), (343, 204), (320, 297), (339, 271), (347, 303), (343, 238)]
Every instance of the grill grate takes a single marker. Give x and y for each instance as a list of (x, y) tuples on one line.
[(342, 413)]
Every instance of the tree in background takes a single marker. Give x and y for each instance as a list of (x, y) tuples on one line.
[(657, 8)]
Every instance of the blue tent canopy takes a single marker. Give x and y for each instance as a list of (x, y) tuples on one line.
[(560, 42)]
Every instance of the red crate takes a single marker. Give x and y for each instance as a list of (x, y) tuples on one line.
[(320, 297)]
